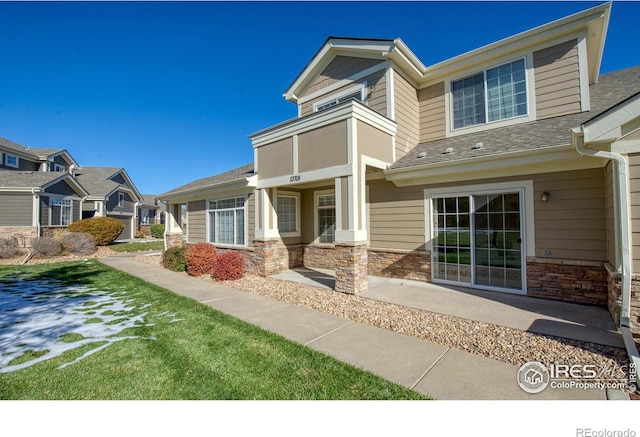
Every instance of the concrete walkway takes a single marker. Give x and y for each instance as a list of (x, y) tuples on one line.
[(429, 368)]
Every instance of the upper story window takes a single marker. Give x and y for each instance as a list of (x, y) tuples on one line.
[(11, 161), (495, 94), (120, 200), (59, 168), (352, 93)]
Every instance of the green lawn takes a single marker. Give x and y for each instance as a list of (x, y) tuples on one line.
[(186, 350), (138, 246)]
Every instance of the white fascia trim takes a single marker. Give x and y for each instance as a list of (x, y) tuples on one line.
[(19, 189), (321, 59), (391, 96), (625, 147), (307, 176), (344, 82), (201, 192), (500, 165), (374, 162), (608, 126), (324, 118), (463, 190), (583, 66), (350, 236), (521, 41)]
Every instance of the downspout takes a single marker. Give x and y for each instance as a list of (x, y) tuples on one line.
[(36, 198), (577, 136)]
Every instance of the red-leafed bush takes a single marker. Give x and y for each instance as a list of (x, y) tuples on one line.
[(200, 259), (229, 266)]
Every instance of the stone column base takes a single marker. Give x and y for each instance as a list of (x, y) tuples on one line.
[(351, 267), (172, 240), (270, 256)]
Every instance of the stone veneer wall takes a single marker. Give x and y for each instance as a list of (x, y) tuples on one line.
[(614, 303), (407, 264), (22, 234), (249, 255), (351, 267), (271, 256), (173, 240), (319, 257), (567, 280)]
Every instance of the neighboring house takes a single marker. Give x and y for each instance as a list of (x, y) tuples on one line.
[(41, 190), (111, 194), (37, 194), (150, 211), (511, 168)]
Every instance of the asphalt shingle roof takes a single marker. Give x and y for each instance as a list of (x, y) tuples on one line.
[(27, 179), (610, 90), (33, 151), (96, 180), (232, 175)]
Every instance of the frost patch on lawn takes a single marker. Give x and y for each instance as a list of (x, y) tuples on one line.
[(44, 316)]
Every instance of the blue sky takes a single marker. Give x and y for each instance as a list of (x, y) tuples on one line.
[(170, 91)]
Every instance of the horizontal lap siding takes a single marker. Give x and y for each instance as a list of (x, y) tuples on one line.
[(634, 182), (17, 209), (432, 113), (127, 205), (406, 115), (342, 67), (396, 216), (572, 224), (197, 221), (557, 80)]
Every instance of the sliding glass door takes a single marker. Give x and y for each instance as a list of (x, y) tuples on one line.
[(478, 240)]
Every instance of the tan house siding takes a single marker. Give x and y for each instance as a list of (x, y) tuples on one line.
[(432, 112), (610, 214), (572, 224), (276, 159), (634, 188), (406, 115), (557, 80), (374, 143), (396, 216), (376, 97), (16, 209), (322, 147), (197, 221), (342, 67)]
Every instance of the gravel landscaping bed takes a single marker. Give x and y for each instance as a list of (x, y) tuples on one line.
[(17, 260), (497, 342)]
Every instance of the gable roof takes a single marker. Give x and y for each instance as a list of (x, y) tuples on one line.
[(611, 89), (11, 180), (34, 153), (235, 175), (99, 183)]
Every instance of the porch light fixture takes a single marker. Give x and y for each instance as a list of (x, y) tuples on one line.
[(544, 197)]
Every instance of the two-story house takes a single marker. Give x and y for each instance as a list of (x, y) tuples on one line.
[(41, 190), (510, 168)]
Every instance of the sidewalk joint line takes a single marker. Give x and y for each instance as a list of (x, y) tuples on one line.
[(429, 368), (349, 322)]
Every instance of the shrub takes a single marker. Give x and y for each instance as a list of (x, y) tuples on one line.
[(139, 234), (104, 230), (157, 231), (200, 259), (229, 266), (46, 246), (78, 242), (8, 248), (173, 259)]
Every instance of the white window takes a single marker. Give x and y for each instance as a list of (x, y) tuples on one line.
[(352, 93), (496, 94), (326, 217), (227, 224), (58, 167), (120, 200), (288, 211), (11, 161), (60, 212)]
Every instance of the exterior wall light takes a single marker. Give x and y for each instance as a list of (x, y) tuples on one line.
[(544, 197)]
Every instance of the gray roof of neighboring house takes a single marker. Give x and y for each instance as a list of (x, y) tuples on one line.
[(232, 175), (610, 90), (33, 151), (148, 200), (96, 180), (27, 179)]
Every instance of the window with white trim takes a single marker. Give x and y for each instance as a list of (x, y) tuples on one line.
[(352, 93), (326, 215), (120, 200), (61, 212), (227, 224), (287, 208), (495, 94), (11, 161), (59, 168)]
